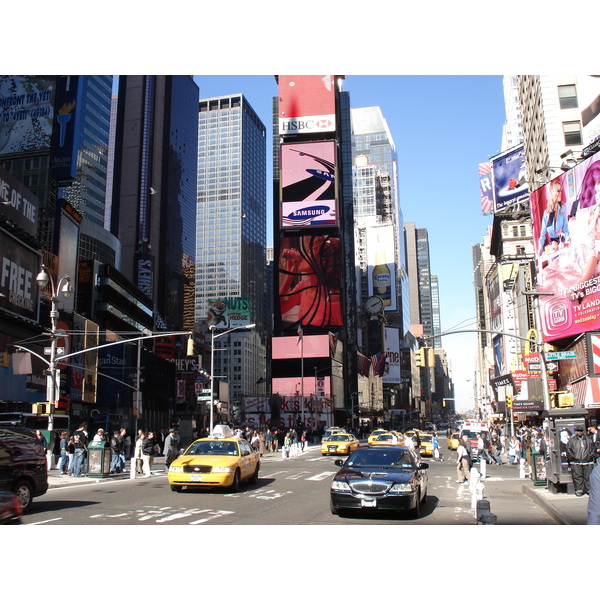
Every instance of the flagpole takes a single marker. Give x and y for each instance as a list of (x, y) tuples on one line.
[(302, 371)]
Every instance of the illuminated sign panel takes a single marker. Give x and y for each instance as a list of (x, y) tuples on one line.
[(308, 191), (306, 104), (566, 233), (309, 279)]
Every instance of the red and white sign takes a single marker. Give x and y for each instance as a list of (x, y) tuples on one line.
[(306, 104)]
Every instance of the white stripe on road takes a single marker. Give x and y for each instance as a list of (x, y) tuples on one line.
[(322, 476), (48, 521)]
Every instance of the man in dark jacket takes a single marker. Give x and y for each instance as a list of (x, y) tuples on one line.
[(171, 450), (116, 446), (580, 453)]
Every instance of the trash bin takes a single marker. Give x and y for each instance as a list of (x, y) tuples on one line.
[(98, 459), (538, 462)]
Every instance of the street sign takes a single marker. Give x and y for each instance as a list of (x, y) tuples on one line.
[(59, 351), (561, 355), (206, 390)]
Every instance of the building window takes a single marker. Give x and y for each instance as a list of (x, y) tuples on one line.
[(572, 131), (567, 96)]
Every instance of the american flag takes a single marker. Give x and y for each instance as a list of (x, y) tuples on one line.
[(378, 363)]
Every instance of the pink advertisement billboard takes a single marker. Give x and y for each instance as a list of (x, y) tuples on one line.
[(310, 273), (566, 231), (312, 346), (308, 193)]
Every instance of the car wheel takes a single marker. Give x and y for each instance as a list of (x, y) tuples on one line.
[(24, 493), (424, 499), (254, 478), (235, 486), (176, 488)]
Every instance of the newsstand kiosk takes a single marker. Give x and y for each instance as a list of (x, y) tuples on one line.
[(559, 427)]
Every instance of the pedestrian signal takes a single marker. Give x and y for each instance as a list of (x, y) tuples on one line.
[(190, 347)]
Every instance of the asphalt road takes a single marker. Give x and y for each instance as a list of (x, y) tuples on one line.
[(289, 492)]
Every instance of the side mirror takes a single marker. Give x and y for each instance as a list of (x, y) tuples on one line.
[(339, 463), (423, 465)]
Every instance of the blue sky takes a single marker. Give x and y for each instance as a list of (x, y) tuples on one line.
[(443, 127)]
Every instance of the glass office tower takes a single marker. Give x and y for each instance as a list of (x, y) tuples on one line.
[(231, 210), (231, 234), (153, 192)]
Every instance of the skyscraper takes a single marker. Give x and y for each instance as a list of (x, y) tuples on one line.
[(231, 227), (377, 213), (154, 188)]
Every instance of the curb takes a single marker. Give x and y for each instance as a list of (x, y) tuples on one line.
[(557, 516)]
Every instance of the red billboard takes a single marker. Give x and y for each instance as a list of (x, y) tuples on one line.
[(310, 273), (306, 104), (566, 231), (308, 192)]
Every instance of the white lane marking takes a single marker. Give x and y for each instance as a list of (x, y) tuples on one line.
[(298, 475), (322, 476), (48, 521), (215, 515)]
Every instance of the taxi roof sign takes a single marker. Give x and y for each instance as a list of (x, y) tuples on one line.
[(221, 431)]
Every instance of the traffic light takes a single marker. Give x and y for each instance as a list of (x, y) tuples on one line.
[(190, 347), (420, 357), (509, 402), (5, 359), (430, 357)]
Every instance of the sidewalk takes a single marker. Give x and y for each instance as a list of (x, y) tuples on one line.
[(503, 482)]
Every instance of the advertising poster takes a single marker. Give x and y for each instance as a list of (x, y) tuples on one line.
[(226, 313), (509, 179), (19, 291), (391, 373), (68, 124), (306, 104), (566, 233), (485, 187), (90, 361), (381, 270), (26, 112), (310, 273), (17, 203), (308, 192)]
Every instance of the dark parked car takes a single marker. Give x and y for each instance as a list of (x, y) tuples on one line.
[(380, 478), (10, 509), (23, 466)]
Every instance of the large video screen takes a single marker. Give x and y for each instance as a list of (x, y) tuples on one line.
[(308, 192), (310, 273)]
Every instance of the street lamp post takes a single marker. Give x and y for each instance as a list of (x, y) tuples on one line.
[(66, 289), (213, 337)]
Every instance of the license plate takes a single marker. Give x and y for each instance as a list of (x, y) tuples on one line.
[(332, 448), (196, 478), (368, 503)]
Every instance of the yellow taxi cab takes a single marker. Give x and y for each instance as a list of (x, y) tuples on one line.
[(385, 439), (340, 443), (220, 460), (426, 448), (453, 441), (374, 434)]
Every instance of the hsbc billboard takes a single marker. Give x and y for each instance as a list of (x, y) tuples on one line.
[(306, 104)]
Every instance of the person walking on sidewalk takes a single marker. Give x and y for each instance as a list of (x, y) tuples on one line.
[(580, 454), (171, 448), (116, 447), (463, 463)]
